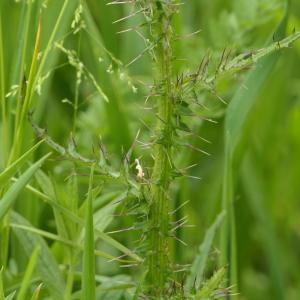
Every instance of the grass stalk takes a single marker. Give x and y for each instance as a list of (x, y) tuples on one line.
[(4, 132), (88, 275)]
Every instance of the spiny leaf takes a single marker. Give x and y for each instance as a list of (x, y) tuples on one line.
[(211, 286)]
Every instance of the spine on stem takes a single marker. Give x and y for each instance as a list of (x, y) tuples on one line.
[(158, 256)]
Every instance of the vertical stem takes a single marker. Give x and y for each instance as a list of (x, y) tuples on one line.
[(228, 232), (3, 108), (158, 257), (78, 81)]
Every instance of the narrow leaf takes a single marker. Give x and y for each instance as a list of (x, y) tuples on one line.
[(10, 196), (10, 296), (88, 275), (6, 174), (28, 275), (198, 266), (46, 267)]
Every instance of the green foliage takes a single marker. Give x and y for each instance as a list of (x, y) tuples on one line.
[(137, 104), (197, 269), (88, 274), (11, 195)]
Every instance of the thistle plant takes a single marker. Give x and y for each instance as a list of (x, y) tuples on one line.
[(160, 17), (95, 210), (175, 98)]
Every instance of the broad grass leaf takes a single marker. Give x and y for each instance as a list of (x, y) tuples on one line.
[(46, 266), (11, 195), (253, 184), (12, 169), (235, 130)]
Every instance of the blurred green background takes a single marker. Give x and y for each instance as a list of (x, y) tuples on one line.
[(267, 196)]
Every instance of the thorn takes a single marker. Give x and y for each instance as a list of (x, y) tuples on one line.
[(200, 66), (196, 149), (129, 16), (220, 98), (208, 119), (179, 225), (187, 35), (117, 258), (221, 61), (179, 240), (193, 177), (189, 167), (180, 206), (129, 266), (121, 230), (120, 2)]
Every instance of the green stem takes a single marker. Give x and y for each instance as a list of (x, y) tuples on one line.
[(3, 100), (158, 257), (77, 84)]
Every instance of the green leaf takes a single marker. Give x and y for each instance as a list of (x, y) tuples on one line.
[(12, 169), (1, 285), (10, 296), (70, 243), (28, 275), (46, 266), (235, 129), (37, 291), (198, 266), (88, 274), (11, 195), (45, 184), (253, 184), (211, 286)]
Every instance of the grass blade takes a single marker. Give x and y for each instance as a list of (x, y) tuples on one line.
[(235, 122), (11, 195), (62, 240), (1, 285), (28, 275), (46, 267), (37, 291), (6, 174), (4, 131), (198, 266), (88, 274), (10, 296), (253, 184)]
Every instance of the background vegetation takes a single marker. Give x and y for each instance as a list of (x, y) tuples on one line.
[(76, 75)]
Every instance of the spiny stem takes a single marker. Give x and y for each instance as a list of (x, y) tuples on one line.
[(158, 258)]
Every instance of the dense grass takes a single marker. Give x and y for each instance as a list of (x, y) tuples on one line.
[(149, 149)]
